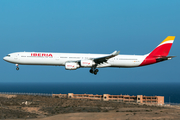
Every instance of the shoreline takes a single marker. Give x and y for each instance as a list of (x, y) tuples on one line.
[(44, 107)]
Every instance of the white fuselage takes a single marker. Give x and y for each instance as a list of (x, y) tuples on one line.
[(59, 59)]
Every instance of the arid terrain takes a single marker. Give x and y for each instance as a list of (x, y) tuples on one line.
[(20, 107)]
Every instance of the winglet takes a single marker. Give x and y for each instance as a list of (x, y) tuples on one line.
[(115, 53)]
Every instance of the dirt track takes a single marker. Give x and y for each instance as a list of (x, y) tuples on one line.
[(48, 108)]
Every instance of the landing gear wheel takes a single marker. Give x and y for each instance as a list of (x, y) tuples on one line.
[(17, 68), (91, 71), (96, 71)]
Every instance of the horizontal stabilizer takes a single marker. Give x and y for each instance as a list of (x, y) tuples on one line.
[(164, 58)]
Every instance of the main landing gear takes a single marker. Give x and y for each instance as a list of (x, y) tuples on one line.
[(17, 68), (94, 71)]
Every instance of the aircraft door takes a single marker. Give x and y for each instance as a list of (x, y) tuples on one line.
[(16, 56), (57, 58)]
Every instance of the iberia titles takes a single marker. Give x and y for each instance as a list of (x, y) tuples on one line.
[(41, 55)]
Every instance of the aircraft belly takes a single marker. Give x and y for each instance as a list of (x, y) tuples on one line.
[(39, 61)]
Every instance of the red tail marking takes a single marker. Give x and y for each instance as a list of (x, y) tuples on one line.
[(160, 51)]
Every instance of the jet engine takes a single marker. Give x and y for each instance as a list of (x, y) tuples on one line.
[(71, 65), (87, 63)]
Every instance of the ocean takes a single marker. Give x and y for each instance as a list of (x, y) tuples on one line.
[(170, 91)]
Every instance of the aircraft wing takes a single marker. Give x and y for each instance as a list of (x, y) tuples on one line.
[(105, 58)]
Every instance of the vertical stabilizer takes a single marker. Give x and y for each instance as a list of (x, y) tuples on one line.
[(161, 51), (163, 48)]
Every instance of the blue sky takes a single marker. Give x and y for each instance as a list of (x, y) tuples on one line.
[(91, 26)]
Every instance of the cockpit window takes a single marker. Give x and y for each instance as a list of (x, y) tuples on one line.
[(8, 55)]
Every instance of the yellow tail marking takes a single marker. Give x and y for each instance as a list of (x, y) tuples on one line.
[(168, 39)]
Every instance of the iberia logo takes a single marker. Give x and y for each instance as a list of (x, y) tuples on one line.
[(70, 65), (86, 63), (41, 55)]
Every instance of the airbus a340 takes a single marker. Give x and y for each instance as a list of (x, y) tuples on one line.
[(73, 61)]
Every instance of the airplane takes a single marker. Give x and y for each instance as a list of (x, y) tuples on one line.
[(73, 61)]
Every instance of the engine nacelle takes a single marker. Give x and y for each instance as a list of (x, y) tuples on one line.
[(71, 65), (87, 63)]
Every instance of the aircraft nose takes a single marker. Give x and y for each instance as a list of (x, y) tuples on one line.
[(4, 58)]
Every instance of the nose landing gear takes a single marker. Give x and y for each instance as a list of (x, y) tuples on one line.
[(17, 68)]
